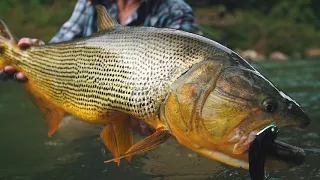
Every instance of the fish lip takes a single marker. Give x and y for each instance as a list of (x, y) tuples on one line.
[(245, 143), (281, 151), (287, 153)]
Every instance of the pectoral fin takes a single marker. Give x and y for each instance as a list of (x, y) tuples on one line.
[(150, 142), (52, 114), (117, 137)]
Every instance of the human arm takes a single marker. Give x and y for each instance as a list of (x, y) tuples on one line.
[(181, 17), (78, 24), (175, 14)]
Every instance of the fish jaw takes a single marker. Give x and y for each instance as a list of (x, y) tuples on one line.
[(282, 157), (218, 154), (244, 144), (202, 146)]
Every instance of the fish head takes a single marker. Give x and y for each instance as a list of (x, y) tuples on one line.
[(220, 118)]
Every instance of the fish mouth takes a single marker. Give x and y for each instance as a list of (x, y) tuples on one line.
[(280, 156), (264, 145)]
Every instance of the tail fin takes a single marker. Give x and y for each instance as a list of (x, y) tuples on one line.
[(5, 38)]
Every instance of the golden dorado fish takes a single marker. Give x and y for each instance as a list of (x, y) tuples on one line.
[(184, 85)]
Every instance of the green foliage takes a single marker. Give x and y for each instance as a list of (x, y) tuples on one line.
[(253, 30), (291, 37), (286, 25), (276, 25), (293, 10), (35, 18)]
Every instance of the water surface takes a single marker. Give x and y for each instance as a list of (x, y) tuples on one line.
[(75, 152)]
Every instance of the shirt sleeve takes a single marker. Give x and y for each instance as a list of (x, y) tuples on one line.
[(73, 27), (180, 16)]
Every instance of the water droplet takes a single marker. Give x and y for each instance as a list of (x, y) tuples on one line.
[(233, 173), (266, 174)]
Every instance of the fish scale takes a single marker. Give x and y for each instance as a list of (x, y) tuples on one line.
[(181, 84), (127, 69)]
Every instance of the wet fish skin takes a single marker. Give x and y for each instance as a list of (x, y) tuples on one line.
[(183, 85)]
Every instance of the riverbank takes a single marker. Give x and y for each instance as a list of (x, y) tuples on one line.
[(259, 37), (254, 33)]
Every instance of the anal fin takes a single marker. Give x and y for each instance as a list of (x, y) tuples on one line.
[(150, 142), (52, 114), (117, 136)]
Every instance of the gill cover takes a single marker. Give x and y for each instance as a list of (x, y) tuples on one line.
[(216, 105), (183, 107), (183, 112)]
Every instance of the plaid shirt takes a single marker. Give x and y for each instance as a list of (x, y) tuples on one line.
[(174, 14)]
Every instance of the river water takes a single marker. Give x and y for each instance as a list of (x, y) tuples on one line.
[(76, 153)]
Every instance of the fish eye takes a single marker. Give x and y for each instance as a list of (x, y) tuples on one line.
[(270, 105)]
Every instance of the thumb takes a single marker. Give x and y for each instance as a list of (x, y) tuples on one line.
[(25, 43)]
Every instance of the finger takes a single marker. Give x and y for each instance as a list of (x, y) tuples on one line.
[(7, 73), (20, 77), (140, 126), (9, 70), (24, 43), (134, 123), (145, 128), (37, 42)]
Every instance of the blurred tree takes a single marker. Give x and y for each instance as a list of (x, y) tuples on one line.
[(35, 18), (263, 25), (258, 24), (296, 10)]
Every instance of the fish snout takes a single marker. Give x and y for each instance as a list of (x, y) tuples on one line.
[(299, 115)]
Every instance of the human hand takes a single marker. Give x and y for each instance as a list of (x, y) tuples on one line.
[(9, 72), (141, 127)]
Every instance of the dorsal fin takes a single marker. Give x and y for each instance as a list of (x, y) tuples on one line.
[(5, 34), (104, 19)]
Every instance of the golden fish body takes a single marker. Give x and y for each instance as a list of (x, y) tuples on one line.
[(180, 83), (124, 69)]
